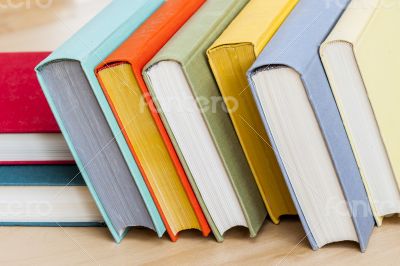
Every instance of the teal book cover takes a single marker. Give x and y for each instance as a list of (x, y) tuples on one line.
[(58, 177), (88, 124), (40, 175)]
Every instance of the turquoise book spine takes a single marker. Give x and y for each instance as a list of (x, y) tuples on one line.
[(90, 46)]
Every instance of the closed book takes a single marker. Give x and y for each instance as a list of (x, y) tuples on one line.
[(187, 97), (305, 128), (28, 131), (349, 63), (120, 76), (69, 82), (231, 55), (45, 195)]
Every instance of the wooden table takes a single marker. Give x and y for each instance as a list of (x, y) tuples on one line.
[(43, 29)]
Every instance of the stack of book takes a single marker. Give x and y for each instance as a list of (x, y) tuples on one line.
[(39, 182), (214, 114)]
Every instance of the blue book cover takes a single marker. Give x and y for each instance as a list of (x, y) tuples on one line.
[(107, 154), (40, 175), (296, 46)]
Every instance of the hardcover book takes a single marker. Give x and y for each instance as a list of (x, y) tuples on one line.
[(120, 76), (359, 60), (45, 195), (231, 55), (187, 97), (305, 128), (69, 82), (28, 131)]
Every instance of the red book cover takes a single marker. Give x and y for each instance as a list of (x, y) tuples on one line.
[(137, 51), (23, 107)]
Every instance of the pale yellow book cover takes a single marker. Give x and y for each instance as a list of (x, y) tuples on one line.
[(347, 32), (353, 22), (144, 139), (378, 55), (230, 57), (358, 30)]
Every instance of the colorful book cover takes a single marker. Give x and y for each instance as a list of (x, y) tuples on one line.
[(342, 62), (231, 55), (296, 45), (87, 121), (46, 195), (188, 48), (24, 108), (378, 57), (120, 76)]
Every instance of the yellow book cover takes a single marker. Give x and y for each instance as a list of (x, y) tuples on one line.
[(230, 57), (378, 56), (143, 137), (360, 57)]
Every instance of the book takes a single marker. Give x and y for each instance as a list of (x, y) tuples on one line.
[(305, 128), (28, 131), (120, 76), (45, 195), (179, 79), (345, 54), (231, 55), (69, 83)]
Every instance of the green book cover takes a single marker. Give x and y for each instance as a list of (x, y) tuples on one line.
[(188, 48)]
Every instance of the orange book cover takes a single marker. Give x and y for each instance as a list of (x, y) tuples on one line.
[(137, 51)]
